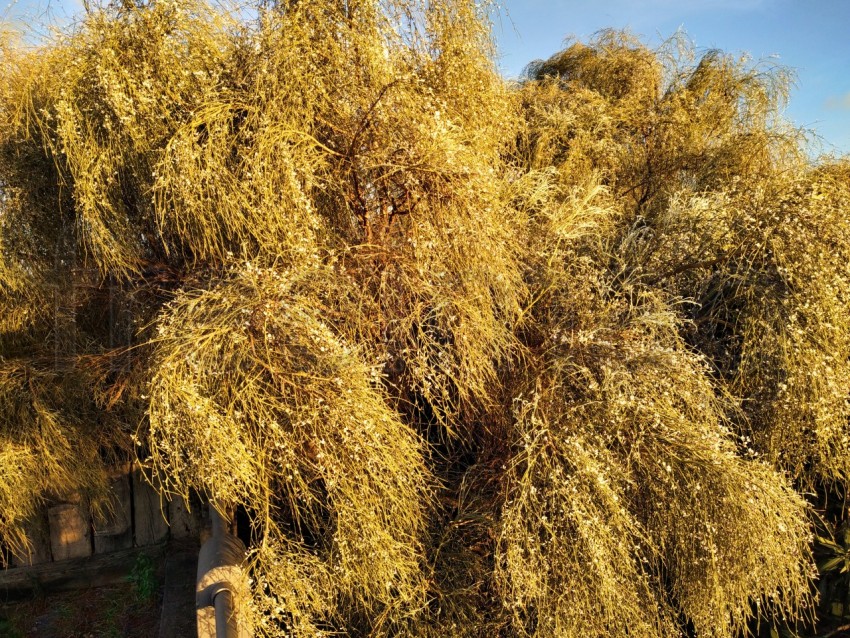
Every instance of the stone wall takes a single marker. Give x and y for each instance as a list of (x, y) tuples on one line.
[(139, 518)]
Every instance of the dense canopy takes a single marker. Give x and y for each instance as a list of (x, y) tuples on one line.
[(550, 358)]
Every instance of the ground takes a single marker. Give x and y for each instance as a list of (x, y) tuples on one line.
[(154, 598)]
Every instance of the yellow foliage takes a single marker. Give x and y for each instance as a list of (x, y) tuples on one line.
[(551, 359)]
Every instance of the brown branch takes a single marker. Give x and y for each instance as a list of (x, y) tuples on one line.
[(361, 208), (836, 632), (365, 120)]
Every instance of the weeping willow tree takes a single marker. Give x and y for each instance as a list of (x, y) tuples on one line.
[(555, 358), (722, 210)]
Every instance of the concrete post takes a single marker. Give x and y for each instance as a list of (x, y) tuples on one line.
[(222, 584)]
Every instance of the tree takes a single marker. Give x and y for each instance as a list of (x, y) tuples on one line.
[(449, 343)]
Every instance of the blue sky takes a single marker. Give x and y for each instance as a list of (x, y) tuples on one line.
[(810, 36)]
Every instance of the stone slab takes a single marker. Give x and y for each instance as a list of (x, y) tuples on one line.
[(185, 523), (37, 532), (151, 526), (70, 532), (114, 530), (178, 616)]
